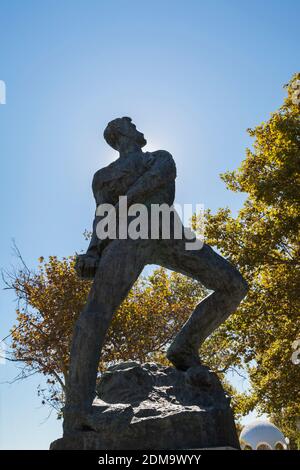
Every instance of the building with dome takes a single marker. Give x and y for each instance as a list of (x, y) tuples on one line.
[(262, 435)]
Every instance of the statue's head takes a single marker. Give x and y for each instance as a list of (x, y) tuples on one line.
[(121, 132)]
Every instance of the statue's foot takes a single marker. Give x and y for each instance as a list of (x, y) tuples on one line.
[(183, 357), (75, 419)]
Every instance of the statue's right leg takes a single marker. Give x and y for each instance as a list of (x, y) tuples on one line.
[(215, 273), (119, 267)]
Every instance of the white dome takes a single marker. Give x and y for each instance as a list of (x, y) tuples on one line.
[(262, 435)]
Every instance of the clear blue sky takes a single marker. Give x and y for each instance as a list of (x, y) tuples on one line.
[(193, 75)]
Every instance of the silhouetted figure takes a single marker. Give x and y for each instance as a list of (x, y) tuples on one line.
[(147, 178)]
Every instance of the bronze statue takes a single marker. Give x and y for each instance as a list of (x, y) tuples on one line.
[(147, 178)]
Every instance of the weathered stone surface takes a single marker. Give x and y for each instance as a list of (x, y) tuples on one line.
[(150, 406)]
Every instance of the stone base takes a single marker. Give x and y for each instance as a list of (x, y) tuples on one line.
[(149, 406)]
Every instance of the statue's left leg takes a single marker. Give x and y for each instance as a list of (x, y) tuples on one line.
[(216, 274), (119, 267)]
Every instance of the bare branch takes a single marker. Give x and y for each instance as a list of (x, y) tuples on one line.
[(19, 256)]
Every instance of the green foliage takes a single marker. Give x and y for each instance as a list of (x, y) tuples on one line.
[(263, 241)]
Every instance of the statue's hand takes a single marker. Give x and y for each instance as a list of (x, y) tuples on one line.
[(86, 266)]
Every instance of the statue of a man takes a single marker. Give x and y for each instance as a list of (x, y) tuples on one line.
[(147, 178)]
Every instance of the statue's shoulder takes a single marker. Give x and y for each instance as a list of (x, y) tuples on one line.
[(110, 172), (162, 154), (164, 160), (159, 155), (107, 175)]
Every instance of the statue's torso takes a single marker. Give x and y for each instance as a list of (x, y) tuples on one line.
[(115, 180)]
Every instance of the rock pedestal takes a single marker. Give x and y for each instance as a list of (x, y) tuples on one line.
[(149, 406)]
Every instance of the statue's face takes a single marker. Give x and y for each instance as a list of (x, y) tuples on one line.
[(129, 130), (122, 132)]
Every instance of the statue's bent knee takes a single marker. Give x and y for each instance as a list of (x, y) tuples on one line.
[(238, 287)]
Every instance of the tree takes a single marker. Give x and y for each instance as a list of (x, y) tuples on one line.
[(263, 241)]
